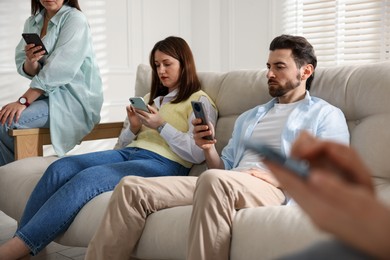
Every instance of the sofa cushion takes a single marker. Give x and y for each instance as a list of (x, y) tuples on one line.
[(17, 181), (283, 229)]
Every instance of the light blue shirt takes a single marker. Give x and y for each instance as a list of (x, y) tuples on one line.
[(69, 76), (314, 115)]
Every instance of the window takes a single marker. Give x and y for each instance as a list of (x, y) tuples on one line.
[(342, 31)]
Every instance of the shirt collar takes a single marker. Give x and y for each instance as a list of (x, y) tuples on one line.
[(159, 101), (56, 18)]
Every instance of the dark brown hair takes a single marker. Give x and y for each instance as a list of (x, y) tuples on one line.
[(302, 51), (36, 6), (189, 83)]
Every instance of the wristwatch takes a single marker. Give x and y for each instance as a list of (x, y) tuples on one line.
[(23, 101), (160, 128)]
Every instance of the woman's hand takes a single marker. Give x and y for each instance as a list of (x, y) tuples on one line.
[(138, 118), (33, 55), (135, 122), (11, 111)]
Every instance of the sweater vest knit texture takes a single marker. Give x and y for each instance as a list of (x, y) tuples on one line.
[(149, 139)]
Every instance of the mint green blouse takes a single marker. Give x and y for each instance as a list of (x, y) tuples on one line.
[(69, 76)]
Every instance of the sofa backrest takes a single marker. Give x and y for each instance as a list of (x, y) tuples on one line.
[(361, 92)]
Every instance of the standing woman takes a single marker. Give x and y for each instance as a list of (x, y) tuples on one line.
[(158, 143), (65, 93)]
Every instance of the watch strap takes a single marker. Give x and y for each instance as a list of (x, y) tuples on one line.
[(160, 128), (26, 103)]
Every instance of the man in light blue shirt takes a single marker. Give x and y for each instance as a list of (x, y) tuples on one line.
[(65, 93), (249, 183)]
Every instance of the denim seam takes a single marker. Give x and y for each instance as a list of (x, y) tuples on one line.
[(33, 118)]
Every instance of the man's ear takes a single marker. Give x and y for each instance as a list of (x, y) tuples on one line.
[(307, 71)]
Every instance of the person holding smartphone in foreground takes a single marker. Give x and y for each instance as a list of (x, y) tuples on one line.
[(237, 179), (340, 199), (158, 143), (65, 92)]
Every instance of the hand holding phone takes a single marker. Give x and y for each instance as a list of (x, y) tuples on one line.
[(139, 103), (33, 38), (198, 109), (300, 168)]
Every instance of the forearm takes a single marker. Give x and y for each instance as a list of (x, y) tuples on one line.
[(31, 68), (213, 160)]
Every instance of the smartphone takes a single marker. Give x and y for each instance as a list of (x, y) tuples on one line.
[(139, 103), (300, 168), (198, 109), (34, 38)]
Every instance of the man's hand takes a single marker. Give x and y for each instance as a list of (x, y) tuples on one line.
[(201, 131), (263, 175)]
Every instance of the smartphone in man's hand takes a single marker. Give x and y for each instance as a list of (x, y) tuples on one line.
[(199, 112)]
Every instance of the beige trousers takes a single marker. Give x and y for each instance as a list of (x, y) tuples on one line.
[(218, 195), (132, 201)]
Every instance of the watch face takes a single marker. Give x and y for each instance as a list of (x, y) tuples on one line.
[(22, 100)]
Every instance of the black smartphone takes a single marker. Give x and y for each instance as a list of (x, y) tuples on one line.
[(139, 103), (34, 38), (198, 109), (300, 168)]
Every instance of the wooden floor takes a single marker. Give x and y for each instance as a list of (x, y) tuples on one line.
[(53, 251)]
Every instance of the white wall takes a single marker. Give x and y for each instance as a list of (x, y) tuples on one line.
[(223, 34)]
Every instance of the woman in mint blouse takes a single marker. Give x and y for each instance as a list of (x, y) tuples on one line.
[(65, 93)]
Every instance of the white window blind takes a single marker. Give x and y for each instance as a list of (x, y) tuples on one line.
[(341, 31)]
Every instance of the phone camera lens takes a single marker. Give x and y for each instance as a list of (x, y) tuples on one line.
[(197, 107)]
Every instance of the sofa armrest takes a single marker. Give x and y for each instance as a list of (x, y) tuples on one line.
[(30, 142)]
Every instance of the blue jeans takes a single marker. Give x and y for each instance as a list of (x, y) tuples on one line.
[(70, 182), (36, 115)]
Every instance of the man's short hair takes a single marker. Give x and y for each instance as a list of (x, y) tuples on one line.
[(302, 50)]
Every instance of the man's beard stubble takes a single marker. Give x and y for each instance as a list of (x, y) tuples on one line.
[(279, 91)]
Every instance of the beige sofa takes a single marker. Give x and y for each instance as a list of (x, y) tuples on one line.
[(363, 94)]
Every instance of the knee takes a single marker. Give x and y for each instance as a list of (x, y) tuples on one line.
[(58, 165), (127, 188), (211, 181)]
